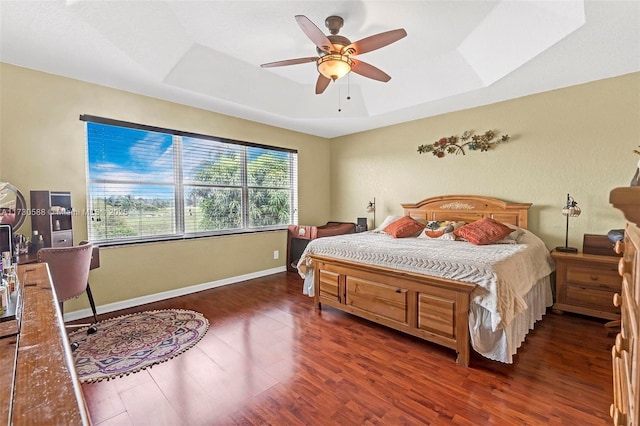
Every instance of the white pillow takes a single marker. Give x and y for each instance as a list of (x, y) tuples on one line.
[(512, 238), (388, 221)]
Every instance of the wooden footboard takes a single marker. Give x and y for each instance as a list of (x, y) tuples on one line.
[(434, 309)]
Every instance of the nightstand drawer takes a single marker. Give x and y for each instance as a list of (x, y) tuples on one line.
[(590, 297), (603, 277)]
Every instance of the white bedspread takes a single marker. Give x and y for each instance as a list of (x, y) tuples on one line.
[(504, 273)]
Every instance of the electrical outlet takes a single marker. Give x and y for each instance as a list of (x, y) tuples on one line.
[(276, 254)]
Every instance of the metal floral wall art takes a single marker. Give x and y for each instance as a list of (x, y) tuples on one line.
[(468, 140)]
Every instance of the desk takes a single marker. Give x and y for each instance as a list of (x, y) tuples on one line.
[(44, 387), (23, 259)]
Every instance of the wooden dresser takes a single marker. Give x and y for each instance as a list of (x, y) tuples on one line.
[(39, 381), (626, 368)]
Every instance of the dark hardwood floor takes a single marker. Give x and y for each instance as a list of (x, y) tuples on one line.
[(270, 357)]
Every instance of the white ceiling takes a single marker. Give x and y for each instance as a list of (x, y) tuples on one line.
[(457, 54)]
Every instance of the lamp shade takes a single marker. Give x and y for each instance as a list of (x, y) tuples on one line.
[(572, 211), (571, 208), (334, 66)]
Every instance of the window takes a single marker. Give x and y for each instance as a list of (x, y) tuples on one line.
[(149, 184)]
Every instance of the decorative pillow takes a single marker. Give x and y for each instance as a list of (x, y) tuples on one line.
[(437, 235), (440, 228), (483, 231), (406, 226)]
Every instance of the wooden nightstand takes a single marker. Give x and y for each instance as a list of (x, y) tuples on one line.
[(586, 283)]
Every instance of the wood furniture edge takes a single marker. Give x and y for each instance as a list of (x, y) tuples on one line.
[(627, 200), (595, 258)]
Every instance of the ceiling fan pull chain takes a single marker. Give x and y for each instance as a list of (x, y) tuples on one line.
[(339, 96), (348, 86)]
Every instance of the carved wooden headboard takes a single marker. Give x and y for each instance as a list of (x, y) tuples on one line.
[(468, 208)]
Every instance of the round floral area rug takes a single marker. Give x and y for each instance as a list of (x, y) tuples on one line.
[(133, 342)]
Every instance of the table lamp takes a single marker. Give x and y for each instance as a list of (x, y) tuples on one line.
[(371, 208), (571, 209)]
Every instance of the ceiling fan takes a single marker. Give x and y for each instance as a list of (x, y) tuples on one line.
[(336, 52)]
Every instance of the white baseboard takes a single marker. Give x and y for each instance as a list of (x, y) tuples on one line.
[(116, 306)]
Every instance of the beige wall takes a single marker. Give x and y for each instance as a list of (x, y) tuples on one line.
[(42, 146), (577, 140)]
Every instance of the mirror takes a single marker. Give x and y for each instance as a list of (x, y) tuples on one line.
[(13, 207)]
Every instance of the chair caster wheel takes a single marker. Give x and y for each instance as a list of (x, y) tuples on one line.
[(92, 330), (74, 346)]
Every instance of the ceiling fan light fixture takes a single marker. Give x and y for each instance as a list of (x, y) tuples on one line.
[(334, 65)]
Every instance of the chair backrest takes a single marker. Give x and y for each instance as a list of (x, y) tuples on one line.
[(69, 268), (95, 258)]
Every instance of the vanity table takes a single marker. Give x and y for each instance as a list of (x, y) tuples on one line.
[(40, 384)]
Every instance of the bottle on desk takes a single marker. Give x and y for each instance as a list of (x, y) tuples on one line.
[(4, 294), (6, 259), (12, 279), (4, 298), (8, 272), (36, 242)]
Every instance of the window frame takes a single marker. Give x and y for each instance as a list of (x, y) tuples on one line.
[(179, 185)]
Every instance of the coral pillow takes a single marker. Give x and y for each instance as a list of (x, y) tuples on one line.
[(483, 231), (406, 226)]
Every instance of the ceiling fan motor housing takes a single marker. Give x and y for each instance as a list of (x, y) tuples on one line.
[(338, 43)]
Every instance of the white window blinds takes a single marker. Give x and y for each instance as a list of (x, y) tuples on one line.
[(146, 183)]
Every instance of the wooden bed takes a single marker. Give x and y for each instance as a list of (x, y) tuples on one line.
[(431, 308)]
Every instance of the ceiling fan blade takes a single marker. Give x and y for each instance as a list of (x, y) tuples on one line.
[(322, 84), (369, 71), (289, 62), (374, 42), (314, 33)]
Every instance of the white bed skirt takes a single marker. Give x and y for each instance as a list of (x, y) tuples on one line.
[(502, 344)]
